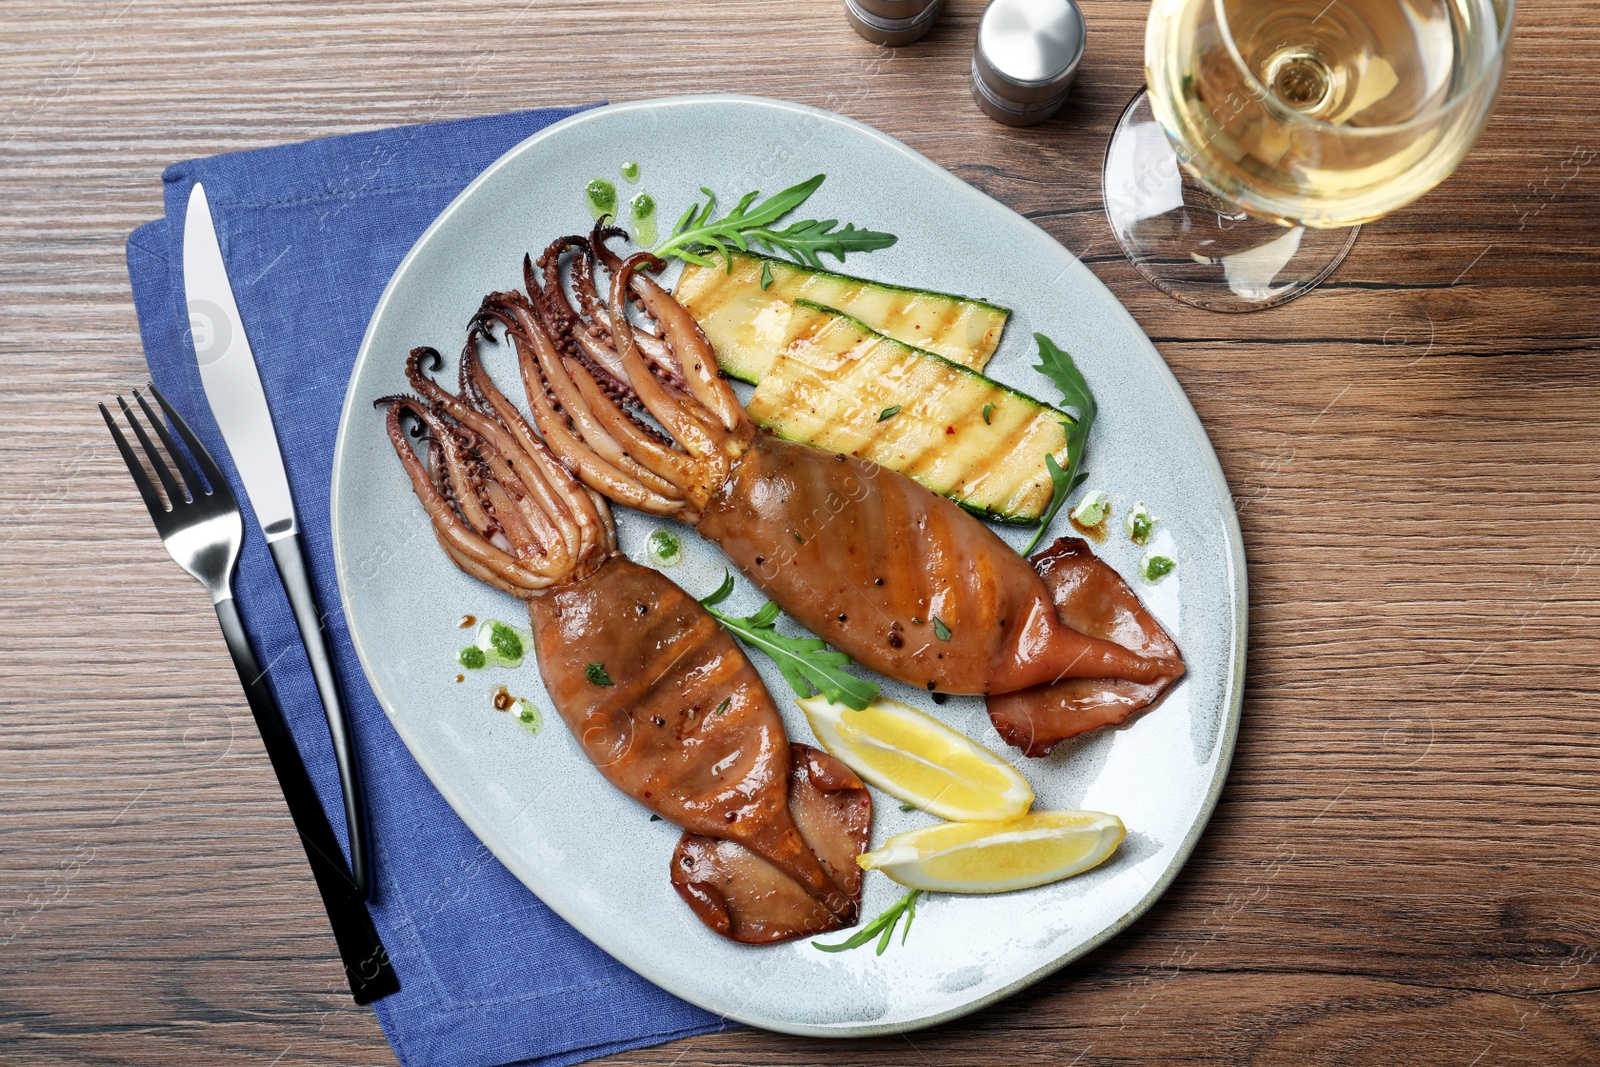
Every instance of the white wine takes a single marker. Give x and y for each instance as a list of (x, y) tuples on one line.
[(1323, 113), (1273, 128)]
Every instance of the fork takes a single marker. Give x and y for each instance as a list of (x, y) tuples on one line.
[(201, 527)]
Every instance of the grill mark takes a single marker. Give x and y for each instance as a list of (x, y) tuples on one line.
[(951, 314), (1020, 485), (971, 415)]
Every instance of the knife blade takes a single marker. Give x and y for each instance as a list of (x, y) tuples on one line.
[(233, 389)]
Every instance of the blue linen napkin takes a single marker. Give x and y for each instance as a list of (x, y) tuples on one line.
[(310, 234)]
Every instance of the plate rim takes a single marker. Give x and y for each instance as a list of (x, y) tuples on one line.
[(1235, 559)]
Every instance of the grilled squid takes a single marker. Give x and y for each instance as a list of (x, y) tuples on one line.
[(744, 897), (1093, 599), (658, 696), (899, 578)]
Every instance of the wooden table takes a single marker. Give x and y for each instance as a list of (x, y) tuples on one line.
[(1403, 868)]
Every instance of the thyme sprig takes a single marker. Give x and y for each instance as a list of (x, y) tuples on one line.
[(806, 663), (697, 234)]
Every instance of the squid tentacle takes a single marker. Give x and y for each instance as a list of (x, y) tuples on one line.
[(520, 318), (550, 264), (588, 514), (602, 465), (691, 351), (465, 471), (589, 430), (635, 441), (458, 537), (550, 305), (675, 412), (596, 336), (515, 449), (511, 437)]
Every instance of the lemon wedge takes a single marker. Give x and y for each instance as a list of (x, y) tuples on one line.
[(988, 858), (920, 760)]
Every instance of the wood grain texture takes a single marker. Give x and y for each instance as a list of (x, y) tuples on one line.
[(1403, 866)]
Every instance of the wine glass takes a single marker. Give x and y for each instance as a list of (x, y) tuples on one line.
[(1271, 129)]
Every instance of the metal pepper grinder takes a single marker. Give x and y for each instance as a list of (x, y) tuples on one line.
[(1025, 59), (893, 22)]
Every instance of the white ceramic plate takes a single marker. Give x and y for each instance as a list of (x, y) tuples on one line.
[(593, 855)]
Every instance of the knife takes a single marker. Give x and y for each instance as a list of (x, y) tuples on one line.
[(233, 388)]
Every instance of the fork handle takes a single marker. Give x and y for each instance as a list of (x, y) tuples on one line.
[(366, 962), (289, 555)]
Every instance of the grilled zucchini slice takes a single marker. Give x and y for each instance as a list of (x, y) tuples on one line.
[(838, 385), (747, 324)]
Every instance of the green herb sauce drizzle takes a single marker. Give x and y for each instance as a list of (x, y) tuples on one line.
[(664, 548), (642, 209), (498, 645), (601, 196)]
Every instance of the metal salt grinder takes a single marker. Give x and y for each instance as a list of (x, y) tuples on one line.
[(893, 22), (1025, 59)]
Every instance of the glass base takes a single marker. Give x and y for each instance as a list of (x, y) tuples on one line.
[(1195, 246)]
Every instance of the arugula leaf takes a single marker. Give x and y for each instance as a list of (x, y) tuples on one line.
[(1062, 484), (940, 630), (766, 275), (881, 928), (724, 591), (806, 663), (1057, 365), (988, 409), (696, 234), (807, 241)]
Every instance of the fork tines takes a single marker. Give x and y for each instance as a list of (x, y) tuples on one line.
[(192, 491)]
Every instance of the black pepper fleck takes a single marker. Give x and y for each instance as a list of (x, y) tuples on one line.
[(939, 698)]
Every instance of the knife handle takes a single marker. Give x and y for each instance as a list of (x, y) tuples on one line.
[(290, 557), (366, 962)]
